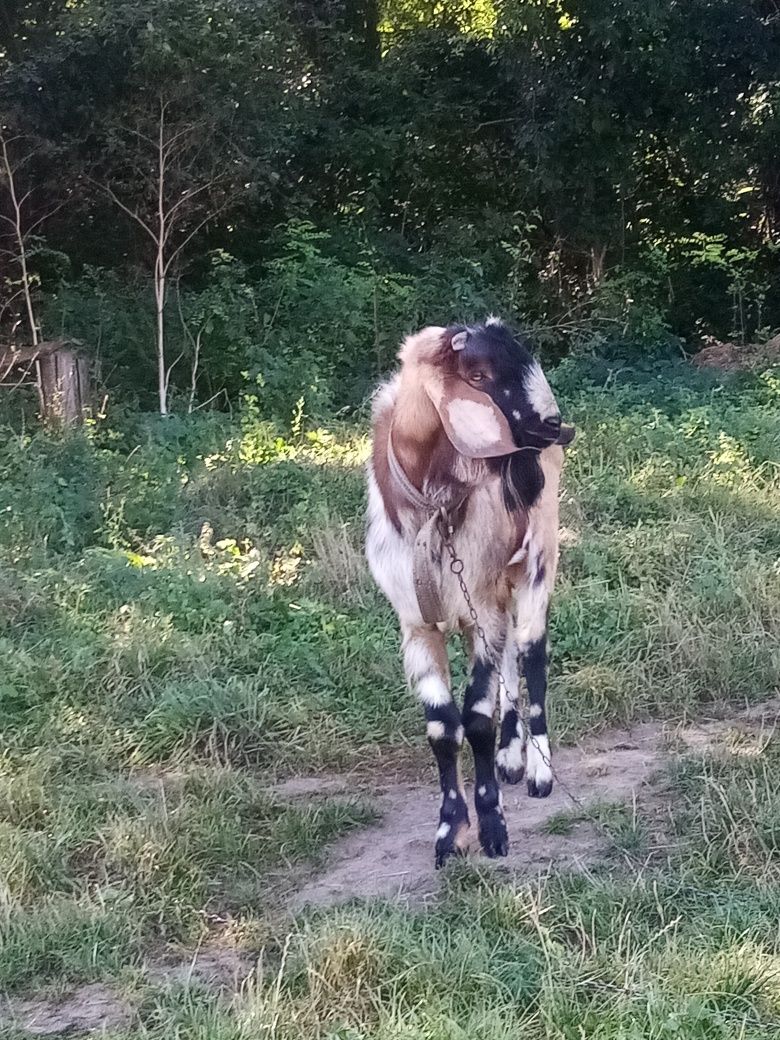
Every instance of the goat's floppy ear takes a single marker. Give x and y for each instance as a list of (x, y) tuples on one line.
[(566, 436), (475, 426)]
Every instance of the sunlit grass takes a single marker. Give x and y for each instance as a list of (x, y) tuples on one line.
[(186, 616)]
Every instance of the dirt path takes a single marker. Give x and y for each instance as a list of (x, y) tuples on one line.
[(394, 858)]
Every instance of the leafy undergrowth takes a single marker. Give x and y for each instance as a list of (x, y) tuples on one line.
[(185, 615)]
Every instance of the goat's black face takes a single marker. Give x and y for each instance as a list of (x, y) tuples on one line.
[(493, 360)]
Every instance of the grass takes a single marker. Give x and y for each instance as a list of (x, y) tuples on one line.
[(185, 617), (622, 824), (115, 860), (684, 947)]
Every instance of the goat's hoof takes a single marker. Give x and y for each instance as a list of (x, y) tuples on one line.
[(510, 762), (539, 788), (452, 840), (493, 836), (444, 855), (509, 775)]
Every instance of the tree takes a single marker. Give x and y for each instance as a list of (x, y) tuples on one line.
[(21, 223), (171, 196), (20, 230)]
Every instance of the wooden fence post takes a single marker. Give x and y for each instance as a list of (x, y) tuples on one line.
[(64, 378)]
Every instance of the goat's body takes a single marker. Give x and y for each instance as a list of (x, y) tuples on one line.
[(509, 562), (470, 424)]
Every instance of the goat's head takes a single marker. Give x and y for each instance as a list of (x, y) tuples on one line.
[(491, 394)]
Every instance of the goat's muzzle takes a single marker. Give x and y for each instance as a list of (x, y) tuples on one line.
[(566, 436)]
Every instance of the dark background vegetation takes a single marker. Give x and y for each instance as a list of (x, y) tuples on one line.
[(605, 171)]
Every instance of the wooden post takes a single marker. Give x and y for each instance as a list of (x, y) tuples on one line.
[(65, 383), (64, 378)]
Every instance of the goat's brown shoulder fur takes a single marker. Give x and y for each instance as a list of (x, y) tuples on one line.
[(381, 467)]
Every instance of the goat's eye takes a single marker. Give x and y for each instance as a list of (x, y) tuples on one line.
[(477, 377)]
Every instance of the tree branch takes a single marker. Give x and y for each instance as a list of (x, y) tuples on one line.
[(209, 216), (126, 209)]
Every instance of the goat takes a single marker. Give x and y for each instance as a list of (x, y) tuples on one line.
[(470, 426)]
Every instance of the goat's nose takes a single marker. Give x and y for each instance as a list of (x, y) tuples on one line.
[(566, 434)]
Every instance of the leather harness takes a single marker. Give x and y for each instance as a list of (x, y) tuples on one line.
[(428, 545)]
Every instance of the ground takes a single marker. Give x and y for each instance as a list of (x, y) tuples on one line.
[(216, 804), (737, 357)]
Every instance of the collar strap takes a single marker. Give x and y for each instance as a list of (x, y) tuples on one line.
[(417, 498)]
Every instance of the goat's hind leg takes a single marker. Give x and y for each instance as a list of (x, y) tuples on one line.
[(427, 670)]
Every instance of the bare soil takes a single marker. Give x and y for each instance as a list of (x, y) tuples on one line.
[(736, 357), (394, 858), (96, 1008), (88, 1009)]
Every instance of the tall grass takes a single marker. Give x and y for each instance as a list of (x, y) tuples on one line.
[(185, 616)]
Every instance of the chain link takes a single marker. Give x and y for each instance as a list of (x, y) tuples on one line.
[(457, 566)]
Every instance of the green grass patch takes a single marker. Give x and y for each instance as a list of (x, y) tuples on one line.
[(95, 862), (185, 616)]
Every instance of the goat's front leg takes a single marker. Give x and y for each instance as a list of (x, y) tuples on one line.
[(532, 607), (479, 708), (539, 770), (510, 759), (427, 670)]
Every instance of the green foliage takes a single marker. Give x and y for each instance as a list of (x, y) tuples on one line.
[(624, 312), (114, 315), (350, 171), (329, 323), (339, 311)]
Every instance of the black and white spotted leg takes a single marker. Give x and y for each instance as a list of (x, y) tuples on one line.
[(479, 707), (510, 760), (535, 659), (427, 670), (532, 601)]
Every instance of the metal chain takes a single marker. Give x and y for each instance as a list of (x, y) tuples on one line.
[(457, 566)]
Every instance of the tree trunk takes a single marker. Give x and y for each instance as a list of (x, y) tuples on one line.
[(371, 32), (363, 21), (598, 255), (162, 375), (161, 267)]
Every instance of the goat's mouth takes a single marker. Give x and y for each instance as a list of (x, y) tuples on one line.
[(566, 434), (550, 431)]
